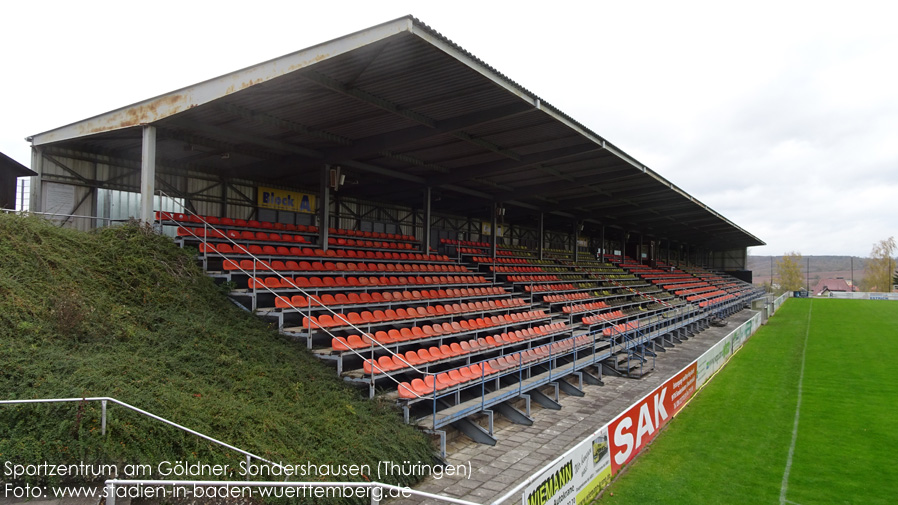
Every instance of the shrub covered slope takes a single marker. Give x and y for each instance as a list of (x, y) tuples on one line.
[(125, 313)]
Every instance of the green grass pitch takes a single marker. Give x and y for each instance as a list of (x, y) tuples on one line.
[(732, 443)]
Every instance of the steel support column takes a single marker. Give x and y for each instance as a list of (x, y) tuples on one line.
[(147, 173), (324, 203), (639, 252), (494, 221), (425, 246), (35, 202), (623, 242), (542, 233)]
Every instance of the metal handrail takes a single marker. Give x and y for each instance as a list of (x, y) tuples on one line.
[(59, 214), (111, 484), (104, 399), (256, 259)]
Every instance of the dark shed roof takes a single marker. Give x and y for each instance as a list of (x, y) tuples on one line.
[(14, 168), (399, 107)]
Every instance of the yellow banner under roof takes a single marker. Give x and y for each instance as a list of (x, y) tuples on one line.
[(486, 229), (290, 201)]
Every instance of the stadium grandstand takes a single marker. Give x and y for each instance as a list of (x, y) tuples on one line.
[(441, 235)]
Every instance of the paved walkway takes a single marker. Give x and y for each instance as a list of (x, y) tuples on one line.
[(522, 450)]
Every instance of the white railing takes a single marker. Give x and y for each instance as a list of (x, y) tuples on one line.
[(63, 219), (375, 490), (104, 400)]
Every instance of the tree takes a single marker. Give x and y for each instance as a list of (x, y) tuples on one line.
[(878, 273), (788, 272)]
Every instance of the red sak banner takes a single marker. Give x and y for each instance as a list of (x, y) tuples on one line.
[(636, 427)]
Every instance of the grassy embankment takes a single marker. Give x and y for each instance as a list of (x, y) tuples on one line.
[(124, 313)]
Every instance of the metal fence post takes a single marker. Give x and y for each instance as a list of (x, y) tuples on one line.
[(103, 418), (110, 494)]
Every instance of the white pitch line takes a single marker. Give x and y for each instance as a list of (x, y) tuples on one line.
[(785, 485)]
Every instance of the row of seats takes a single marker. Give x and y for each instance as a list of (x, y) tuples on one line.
[(618, 329), (266, 225), (349, 242), (508, 270), (364, 282), (605, 316), (715, 301), (705, 296), (226, 221), (549, 287), (435, 330), (532, 278), (382, 297), (695, 291), (682, 285), (258, 236), (484, 259), (469, 250), (474, 373), (449, 241), (583, 307), (270, 250), (367, 317), (371, 234), (669, 277), (566, 297), (339, 266), (394, 362)]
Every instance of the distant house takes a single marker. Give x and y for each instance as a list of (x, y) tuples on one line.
[(9, 170), (837, 285)]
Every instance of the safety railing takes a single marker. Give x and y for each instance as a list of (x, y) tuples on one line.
[(62, 219), (553, 372), (256, 260), (376, 490), (105, 400)]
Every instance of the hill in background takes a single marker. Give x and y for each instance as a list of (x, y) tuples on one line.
[(125, 313), (817, 268)]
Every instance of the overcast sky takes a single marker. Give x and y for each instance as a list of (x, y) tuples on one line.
[(782, 116)]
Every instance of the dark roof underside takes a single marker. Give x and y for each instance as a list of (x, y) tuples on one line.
[(401, 112)]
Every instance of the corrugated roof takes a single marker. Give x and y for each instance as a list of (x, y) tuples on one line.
[(401, 107)]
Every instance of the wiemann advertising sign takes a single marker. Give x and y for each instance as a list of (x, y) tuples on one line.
[(576, 478)]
